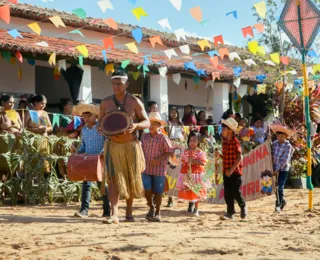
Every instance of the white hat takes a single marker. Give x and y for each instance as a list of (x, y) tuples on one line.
[(232, 124), (156, 117)]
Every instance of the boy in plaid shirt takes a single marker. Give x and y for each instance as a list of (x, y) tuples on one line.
[(232, 169)]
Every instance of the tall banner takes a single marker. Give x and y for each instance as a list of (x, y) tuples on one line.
[(254, 164)]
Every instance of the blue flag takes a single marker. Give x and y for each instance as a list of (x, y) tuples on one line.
[(77, 122), (137, 34), (34, 116)]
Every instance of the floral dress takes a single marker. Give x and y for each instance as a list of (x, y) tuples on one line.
[(190, 184)]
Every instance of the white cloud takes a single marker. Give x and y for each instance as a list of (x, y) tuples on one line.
[(195, 35)]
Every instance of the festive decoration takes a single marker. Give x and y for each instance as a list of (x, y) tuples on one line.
[(275, 57), (125, 63), (111, 23), (108, 43), (155, 40), (253, 47), (259, 27), (180, 33), (196, 13), (83, 50), (77, 32), (204, 43), (177, 4), (176, 78), (163, 71), (57, 21), (261, 9), (132, 47), (247, 31), (234, 14), (185, 49), (35, 28), (136, 75), (109, 68), (223, 52), (5, 13), (218, 40), (164, 23), (105, 5), (234, 55), (170, 53), (138, 12), (15, 34), (52, 59), (80, 13)]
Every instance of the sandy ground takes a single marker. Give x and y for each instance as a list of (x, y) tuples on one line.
[(50, 232)]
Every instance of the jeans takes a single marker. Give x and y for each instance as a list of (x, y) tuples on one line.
[(281, 182), (232, 192), (86, 194)]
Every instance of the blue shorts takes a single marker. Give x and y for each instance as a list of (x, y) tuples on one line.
[(154, 183)]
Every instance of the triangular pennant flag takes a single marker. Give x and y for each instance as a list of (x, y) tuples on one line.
[(80, 13), (52, 59), (261, 51), (77, 32), (234, 14), (34, 116), (104, 55), (137, 34), (204, 43), (269, 62), (56, 120), (81, 60), (163, 71), (259, 27), (237, 71), (105, 5), (210, 84), (237, 82), (190, 65), (111, 23), (196, 13), (125, 63), (180, 33), (136, 75), (31, 62), (62, 64), (253, 47), (310, 71), (214, 61), (249, 62), (35, 28), (223, 52), (279, 85), (284, 60), (213, 53), (145, 70), (19, 56), (154, 40), (14, 33), (147, 60), (109, 68), (13, 1), (176, 78), (5, 13), (261, 9), (261, 89), (312, 53), (138, 12), (83, 50), (215, 75), (57, 21), (218, 40), (316, 68), (234, 55), (185, 49), (108, 43), (76, 122), (177, 4), (247, 31), (196, 80), (20, 74), (132, 47), (275, 57), (164, 23), (170, 53)]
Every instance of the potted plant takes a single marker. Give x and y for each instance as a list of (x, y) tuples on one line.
[(298, 174)]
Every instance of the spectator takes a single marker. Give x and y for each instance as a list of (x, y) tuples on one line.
[(189, 118), (10, 120), (259, 131), (152, 106)]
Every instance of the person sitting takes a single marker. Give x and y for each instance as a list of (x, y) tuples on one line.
[(66, 117), (259, 131)]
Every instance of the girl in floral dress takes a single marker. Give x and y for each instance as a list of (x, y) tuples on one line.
[(190, 184)]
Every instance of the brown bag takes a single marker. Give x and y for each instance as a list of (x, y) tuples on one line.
[(85, 167)]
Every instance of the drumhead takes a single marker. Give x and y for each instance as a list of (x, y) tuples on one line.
[(115, 123)]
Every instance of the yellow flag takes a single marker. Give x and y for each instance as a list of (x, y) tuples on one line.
[(253, 47), (132, 47), (138, 12), (57, 21), (203, 44), (83, 50), (316, 68), (136, 75), (12, 115), (261, 88), (261, 9), (275, 57), (52, 59), (261, 51), (109, 68), (35, 28)]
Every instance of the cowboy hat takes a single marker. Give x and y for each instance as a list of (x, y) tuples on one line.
[(277, 128), (81, 108), (156, 117), (232, 124)]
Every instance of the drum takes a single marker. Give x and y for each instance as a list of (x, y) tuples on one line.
[(178, 150), (115, 123), (85, 167)]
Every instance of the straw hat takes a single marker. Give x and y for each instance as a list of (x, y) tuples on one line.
[(81, 108), (232, 124), (156, 117), (282, 129)]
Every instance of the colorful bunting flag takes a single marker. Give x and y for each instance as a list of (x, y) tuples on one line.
[(218, 40), (176, 78), (237, 82), (215, 75), (170, 53), (237, 71), (5, 13), (259, 27), (57, 21), (20, 74), (310, 71), (177, 4), (180, 33), (214, 61), (108, 43), (77, 32), (109, 68), (185, 49), (105, 5), (56, 120), (132, 47), (52, 59), (136, 75), (261, 51), (31, 62), (81, 61), (234, 55), (104, 55), (204, 43), (80, 13), (284, 60), (213, 53), (316, 68), (247, 31), (223, 52), (253, 47), (164, 23), (83, 50), (111, 23), (163, 71), (14, 33), (138, 12), (137, 34), (154, 40), (35, 28), (261, 89), (312, 53), (275, 57), (196, 13), (269, 62), (19, 56), (261, 9), (190, 65), (34, 116), (234, 14), (125, 63), (249, 62), (62, 64)]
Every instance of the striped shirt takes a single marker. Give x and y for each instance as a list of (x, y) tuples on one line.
[(281, 156), (153, 147), (91, 140)]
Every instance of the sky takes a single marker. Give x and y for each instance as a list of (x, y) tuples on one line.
[(212, 10)]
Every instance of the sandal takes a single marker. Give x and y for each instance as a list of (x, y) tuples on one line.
[(129, 219), (156, 218), (150, 214), (111, 220)]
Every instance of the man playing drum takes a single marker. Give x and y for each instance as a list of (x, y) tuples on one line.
[(124, 159)]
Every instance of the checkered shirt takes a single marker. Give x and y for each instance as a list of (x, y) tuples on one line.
[(153, 147), (230, 151), (91, 140), (281, 156)]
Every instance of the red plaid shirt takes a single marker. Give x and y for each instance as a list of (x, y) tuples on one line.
[(230, 151), (153, 147)]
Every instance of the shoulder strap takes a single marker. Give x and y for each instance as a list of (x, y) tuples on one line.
[(119, 106)]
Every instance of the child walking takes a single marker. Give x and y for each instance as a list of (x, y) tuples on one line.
[(282, 152), (232, 169), (192, 171)]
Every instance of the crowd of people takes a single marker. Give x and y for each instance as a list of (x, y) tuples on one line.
[(134, 169)]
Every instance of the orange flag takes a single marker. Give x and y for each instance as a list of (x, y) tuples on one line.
[(223, 52), (196, 13), (154, 40), (284, 60), (215, 75), (214, 61), (259, 27), (111, 23), (246, 31), (279, 85), (5, 13), (218, 40), (19, 56), (108, 43)]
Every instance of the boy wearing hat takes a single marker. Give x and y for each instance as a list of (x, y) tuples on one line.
[(232, 168), (91, 143), (282, 152), (157, 149)]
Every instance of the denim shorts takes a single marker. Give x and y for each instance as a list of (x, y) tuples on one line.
[(154, 183)]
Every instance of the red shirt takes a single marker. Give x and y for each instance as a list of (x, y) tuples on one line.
[(230, 151)]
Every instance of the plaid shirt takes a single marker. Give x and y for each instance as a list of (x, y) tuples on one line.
[(230, 151), (153, 147), (281, 155), (91, 140)]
